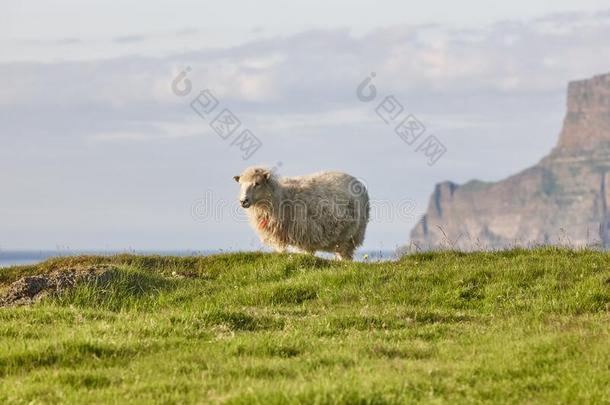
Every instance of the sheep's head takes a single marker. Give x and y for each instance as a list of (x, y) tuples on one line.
[(255, 186)]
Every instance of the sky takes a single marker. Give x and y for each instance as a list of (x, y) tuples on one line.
[(98, 150)]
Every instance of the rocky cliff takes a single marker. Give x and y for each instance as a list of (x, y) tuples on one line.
[(562, 199)]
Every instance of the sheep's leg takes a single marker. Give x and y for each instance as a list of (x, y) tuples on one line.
[(306, 251), (281, 249), (345, 255)]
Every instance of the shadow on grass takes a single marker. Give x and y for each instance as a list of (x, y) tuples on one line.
[(242, 321), (125, 289), (69, 353)]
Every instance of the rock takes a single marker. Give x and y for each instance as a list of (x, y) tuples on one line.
[(25, 289), (562, 199), (32, 288)]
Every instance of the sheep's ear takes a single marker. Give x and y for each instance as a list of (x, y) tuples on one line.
[(236, 178)]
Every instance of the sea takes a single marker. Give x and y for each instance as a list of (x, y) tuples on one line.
[(24, 257)]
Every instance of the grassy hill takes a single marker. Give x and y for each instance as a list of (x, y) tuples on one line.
[(503, 327)]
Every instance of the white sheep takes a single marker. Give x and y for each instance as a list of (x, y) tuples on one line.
[(325, 211)]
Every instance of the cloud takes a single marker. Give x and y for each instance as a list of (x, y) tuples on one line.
[(187, 31), (151, 130), (319, 69), (69, 41), (128, 39), (119, 136), (309, 80)]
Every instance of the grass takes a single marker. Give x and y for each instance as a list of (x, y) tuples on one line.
[(521, 326)]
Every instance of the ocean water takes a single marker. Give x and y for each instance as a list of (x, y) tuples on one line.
[(25, 257), (16, 258)]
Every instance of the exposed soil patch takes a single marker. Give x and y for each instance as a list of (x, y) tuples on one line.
[(30, 289)]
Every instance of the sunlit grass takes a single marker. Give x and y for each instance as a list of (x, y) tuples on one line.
[(501, 327)]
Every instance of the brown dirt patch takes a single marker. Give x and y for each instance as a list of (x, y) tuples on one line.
[(30, 289)]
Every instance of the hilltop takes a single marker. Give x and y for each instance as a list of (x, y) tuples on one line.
[(499, 327)]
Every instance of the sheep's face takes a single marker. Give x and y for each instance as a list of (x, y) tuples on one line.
[(255, 187)]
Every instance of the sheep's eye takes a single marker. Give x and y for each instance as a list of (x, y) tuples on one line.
[(256, 184)]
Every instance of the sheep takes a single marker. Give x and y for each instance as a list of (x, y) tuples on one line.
[(326, 211)]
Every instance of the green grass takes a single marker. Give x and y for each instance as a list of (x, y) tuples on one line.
[(506, 327)]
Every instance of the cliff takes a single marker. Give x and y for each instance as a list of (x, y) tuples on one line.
[(562, 199)]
